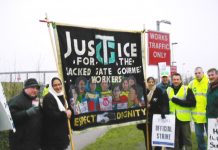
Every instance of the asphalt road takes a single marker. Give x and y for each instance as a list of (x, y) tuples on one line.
[(84, 138)]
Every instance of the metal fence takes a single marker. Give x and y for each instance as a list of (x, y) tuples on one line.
[(19, 76)]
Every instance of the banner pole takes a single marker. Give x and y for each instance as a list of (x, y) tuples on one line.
[(58, 66), (144, 60), (61, 76), (51, 39)]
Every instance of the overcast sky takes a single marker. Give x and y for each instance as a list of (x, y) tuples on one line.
[(26, 46)]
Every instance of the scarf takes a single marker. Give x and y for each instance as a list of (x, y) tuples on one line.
[(55, 94), (151, 92)]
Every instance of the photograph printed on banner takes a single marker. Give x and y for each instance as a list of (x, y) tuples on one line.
[(92, 97)]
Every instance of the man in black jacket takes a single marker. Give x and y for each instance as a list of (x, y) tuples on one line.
[(27, 118)]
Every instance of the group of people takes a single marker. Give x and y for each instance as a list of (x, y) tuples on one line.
[(197, 101), (88, 96), (40, 126), (44, 125)]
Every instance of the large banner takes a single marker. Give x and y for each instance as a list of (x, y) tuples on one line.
[(103, 75)]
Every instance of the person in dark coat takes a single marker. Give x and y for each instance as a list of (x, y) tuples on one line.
[(212, 94), (55, 114), (27, 118), (155, 105)]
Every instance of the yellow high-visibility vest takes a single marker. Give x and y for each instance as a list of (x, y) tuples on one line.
[(200, 90), (182, 113), (45, 91)]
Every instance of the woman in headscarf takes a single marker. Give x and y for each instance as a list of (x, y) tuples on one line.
[(155, 105), (55, 113)]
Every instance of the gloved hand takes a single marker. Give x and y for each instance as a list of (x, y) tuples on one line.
[(175, 100), (32, 111), (163, 116)]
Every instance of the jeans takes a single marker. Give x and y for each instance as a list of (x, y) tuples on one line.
[(199, 130)]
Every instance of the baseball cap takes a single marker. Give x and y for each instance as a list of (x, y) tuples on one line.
[(164, 74)]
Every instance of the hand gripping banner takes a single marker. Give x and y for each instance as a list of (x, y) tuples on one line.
[(103, 75)]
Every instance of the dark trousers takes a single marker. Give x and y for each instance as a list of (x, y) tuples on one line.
[(184, 129)]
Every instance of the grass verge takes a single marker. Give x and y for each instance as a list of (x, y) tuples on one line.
[(121, 138), (124, 138)]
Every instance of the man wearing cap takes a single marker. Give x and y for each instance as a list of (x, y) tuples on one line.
[(165, 81), (27, 118)]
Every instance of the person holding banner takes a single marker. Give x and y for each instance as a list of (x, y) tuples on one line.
[(212, 94), (55, 126), (27, 118), (199, 87), (155, 105), (181, 101)]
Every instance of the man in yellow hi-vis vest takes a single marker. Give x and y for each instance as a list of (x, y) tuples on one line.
[(181, 100), (199, 87)]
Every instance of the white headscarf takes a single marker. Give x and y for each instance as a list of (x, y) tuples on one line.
[(151, 92), (55, 94)]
